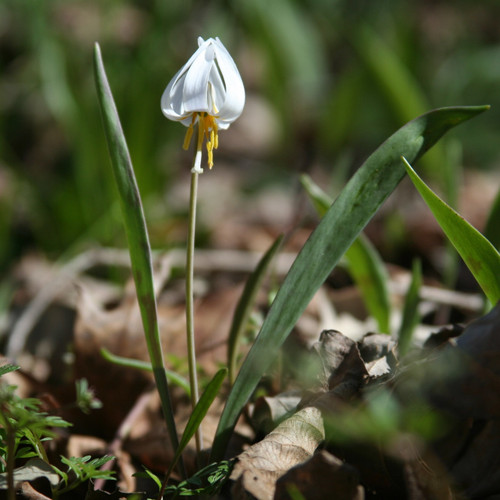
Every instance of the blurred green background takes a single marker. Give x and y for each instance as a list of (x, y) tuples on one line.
[(327, 81)]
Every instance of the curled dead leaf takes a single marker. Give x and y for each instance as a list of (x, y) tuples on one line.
[(291, 443), (342, 364)]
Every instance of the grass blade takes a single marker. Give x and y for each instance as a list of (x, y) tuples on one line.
[(369, 273), (198, 414), (478, 253), (145, 366), (137, 236), (351, 211), (245, 304), (410, 309), (365, 264)]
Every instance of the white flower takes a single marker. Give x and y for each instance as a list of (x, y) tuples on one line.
[(207, 90)]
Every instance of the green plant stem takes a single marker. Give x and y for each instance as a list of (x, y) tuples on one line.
[(193, 379)]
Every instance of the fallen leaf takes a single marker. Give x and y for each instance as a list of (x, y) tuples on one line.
[(322, 476), (33, 469), (342, 362), (292, 442), (268, 411)]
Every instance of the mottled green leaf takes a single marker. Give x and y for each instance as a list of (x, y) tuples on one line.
[(245, 305), (364, 263), (351, 211)]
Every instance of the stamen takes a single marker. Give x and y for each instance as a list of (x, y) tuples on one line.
[(216, 135), (201, 130), (208, 131), (189, 133), (210, 157)]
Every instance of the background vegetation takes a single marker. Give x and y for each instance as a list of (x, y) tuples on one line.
[(327, 81)]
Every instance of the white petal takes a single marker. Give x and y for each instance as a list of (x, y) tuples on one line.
[(172, 104), (196, 82), (235, 91), (172, 100), (217, 88)]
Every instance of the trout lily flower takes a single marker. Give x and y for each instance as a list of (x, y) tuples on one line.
[(207, 91)]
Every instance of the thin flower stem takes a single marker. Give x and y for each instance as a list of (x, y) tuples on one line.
[(193, 379)]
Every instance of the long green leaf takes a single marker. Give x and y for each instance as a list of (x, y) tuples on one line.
[(478, 253), (245, 304), (137, 236), (369, 273), (365, 264), (198, 414), (340, 226), (138, 364), (410, 309)]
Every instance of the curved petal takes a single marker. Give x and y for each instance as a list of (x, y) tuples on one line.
[(235, 91), (196, 83), (172, 100), (217, 89), (172, 104)]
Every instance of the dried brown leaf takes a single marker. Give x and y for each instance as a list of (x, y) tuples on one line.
[(322, 476), (291, 443), (268, 411), (343, 367)]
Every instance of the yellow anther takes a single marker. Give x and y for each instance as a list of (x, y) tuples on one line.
[(210, 159), (212, 138)]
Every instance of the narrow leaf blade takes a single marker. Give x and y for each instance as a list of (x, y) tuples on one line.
[(351, 211), (365, 264), (138, 364), (410, 309), (199, 412), (369, 273), (137, 236), (245, 304), (478, 253)]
